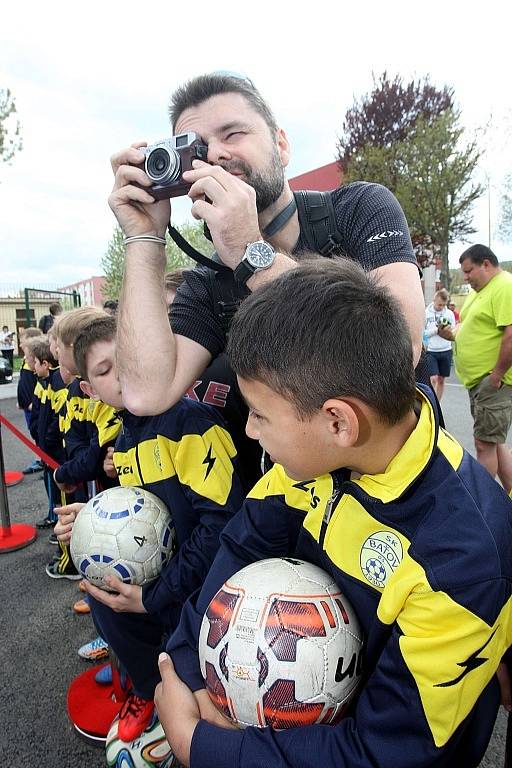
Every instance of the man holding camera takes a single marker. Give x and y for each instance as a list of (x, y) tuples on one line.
[(240, 192)]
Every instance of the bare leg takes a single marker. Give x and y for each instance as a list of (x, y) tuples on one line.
[(440, 387), (487, 455), (434, 383), (505, 466)]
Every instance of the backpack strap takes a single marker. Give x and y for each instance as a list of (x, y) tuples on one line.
[(317, 221), (227, 295)]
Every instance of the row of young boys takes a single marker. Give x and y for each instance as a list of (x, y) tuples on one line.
[(186, 456), (354, 468)]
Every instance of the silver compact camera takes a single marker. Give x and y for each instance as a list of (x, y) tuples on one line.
[(166, 161)]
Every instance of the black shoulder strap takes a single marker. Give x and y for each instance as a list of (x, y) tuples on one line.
[(212, 263), (318, 224)]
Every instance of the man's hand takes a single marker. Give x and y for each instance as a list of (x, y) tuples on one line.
[(108, 463), (230, 211), (127, 600), (495, 380), (137, 212), (67, 516), (446, 332), (178, 710)]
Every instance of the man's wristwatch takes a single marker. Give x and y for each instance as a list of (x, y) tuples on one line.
[(258, 255)]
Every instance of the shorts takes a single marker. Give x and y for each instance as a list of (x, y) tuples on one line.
[(491, 410), (440, 363)]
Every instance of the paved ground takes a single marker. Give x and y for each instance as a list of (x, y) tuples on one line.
[(40, 634)]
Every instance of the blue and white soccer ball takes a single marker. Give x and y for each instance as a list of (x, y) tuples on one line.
[(125, 532), (151, 748)]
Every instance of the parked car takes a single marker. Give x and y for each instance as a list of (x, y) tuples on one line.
[(5, 371)]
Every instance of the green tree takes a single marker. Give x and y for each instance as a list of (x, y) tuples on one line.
[(10, 130), (504, 231), (387, 115), (113, 260), (408, 137), (435, 186)]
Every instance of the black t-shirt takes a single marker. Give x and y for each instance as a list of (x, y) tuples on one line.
[(374, 233)]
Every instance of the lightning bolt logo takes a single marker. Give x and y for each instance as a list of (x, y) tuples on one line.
[(472, 662), (112, 422), (209, 461)]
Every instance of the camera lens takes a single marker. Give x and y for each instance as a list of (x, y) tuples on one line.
[(162, 165)]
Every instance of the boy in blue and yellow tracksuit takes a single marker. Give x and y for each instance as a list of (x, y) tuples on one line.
[(186, 457), (88, 428), (24, 394), (44, 420), (369, 487)]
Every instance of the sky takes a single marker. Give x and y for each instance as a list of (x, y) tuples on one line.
[(91, 78)]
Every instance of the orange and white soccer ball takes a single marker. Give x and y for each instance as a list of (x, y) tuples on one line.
[(281, 646)]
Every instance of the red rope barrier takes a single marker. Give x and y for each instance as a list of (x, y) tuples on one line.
[(33, 447)]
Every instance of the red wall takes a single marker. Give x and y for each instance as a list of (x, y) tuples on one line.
[(322, 179)]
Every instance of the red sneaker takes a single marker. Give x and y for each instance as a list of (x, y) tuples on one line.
[(134, 717)]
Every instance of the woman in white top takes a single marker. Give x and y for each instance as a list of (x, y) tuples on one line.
[(7, 344), (439, 350)]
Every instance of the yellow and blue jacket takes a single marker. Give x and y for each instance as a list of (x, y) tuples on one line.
[(186, 457), (89, 427), (48, 396), (423, 552), (26, 385)]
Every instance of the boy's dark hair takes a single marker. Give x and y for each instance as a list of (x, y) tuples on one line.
[(100, 329), (326, 329), (111, 305), (201, 88), (55, 309), (174, 278), (39, 347), (478, 254)]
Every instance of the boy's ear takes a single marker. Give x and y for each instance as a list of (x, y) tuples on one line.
[(88, 390), (342, 421)]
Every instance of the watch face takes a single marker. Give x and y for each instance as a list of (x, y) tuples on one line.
[(260, 254)]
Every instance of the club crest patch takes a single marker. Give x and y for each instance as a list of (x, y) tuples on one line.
[(381, 554)]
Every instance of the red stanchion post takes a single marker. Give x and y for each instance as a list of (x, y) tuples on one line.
[(11, 536)]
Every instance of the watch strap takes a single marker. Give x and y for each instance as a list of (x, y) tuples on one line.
[(244, 271)]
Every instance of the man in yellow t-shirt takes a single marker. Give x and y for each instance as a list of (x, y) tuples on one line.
[(483, 357)]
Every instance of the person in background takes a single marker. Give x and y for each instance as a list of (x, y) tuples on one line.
[(25, 390), (110, 306), (46, 322), (44, 418), (453, 307), (7, 344), (483, 357), (439, 349)]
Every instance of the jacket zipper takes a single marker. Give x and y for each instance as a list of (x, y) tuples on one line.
[(329, 508)]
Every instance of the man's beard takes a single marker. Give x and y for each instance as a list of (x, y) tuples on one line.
[(268, 184)]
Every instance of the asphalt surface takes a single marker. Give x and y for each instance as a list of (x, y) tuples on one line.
[(41, 634)]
